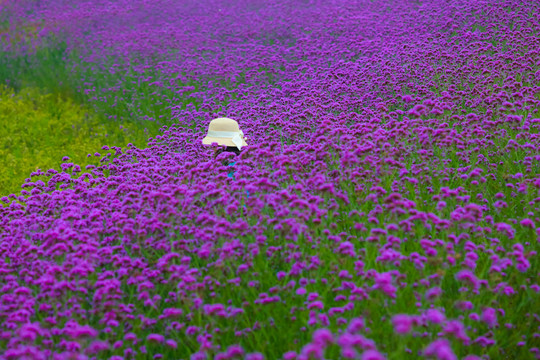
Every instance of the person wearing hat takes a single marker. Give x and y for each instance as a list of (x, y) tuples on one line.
[(225, 132)]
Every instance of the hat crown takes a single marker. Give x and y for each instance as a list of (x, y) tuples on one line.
[(224, 124)]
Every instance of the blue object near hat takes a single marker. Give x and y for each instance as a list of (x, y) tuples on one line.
[(231, 175)]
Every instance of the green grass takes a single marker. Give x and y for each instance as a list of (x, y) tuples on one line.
[(38, 129)]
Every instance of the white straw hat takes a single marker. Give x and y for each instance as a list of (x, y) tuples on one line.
[(225, 131)]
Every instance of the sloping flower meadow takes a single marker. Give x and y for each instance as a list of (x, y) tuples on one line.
[(393, 171)]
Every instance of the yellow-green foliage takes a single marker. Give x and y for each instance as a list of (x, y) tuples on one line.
[(37, 130)]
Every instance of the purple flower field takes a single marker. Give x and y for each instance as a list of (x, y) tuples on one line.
[(393, 171)]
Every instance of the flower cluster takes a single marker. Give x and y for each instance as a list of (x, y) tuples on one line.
[(393, 178)]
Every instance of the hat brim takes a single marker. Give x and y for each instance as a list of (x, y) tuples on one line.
[(221, 141)]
